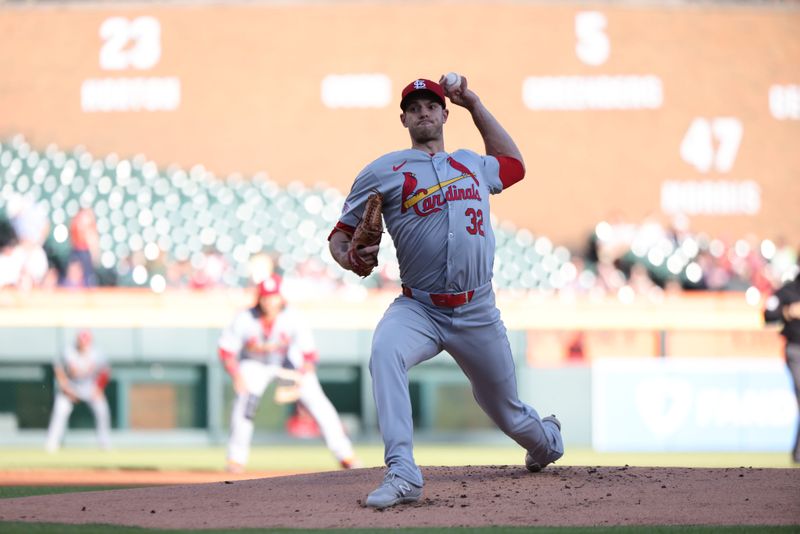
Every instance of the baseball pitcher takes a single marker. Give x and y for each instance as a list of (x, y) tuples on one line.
[(82, 374), (267, 342), (435, 205)]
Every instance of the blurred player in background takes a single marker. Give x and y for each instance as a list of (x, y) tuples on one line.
[(784, 307), (82, 374), (266, 342)]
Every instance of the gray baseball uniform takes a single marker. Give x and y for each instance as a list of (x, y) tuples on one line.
[(293, 341), (436, 209), (84, 372)]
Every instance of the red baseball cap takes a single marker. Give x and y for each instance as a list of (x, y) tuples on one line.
[(85, 336), (271, 285), (422, 86)]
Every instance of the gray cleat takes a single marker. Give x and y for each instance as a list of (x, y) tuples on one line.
[(393, 490), (532, 465)]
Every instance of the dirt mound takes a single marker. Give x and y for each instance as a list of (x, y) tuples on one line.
[(454, 496)]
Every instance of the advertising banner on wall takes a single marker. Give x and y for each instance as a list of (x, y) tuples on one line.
[(692, 404)]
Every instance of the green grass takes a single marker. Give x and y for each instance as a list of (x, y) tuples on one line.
[(315, 457), (10, 492)]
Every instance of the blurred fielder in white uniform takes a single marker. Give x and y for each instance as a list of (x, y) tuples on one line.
[(271, 341), (82, 374)]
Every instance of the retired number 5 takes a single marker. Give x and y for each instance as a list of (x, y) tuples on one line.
[(475, 220)]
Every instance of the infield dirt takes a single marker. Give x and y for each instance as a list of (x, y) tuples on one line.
[(453, 496)]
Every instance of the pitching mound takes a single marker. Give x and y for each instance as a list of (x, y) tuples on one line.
[(454, 496)]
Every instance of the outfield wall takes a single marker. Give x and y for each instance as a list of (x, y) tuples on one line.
[(168, 385)]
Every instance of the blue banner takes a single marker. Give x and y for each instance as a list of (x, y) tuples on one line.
[(692, 404)]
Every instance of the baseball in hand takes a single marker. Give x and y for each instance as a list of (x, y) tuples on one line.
[(452, 80)]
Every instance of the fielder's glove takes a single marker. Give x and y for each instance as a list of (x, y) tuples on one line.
[(286, 392), (367, 233), (289, 384)]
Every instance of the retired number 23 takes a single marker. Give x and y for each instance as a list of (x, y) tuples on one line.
[(475, 220)]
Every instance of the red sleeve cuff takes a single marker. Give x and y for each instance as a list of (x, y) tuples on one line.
[(341, 227), (511, 170), (311, 357), (102, 379), (228, 361)]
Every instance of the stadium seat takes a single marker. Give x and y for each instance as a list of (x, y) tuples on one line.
[(187, 213)]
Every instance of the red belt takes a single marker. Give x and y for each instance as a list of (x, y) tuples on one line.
[(446, 300)]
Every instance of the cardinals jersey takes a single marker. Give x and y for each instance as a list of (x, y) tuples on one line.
[(287, 342), (83, 369), (436, 208)]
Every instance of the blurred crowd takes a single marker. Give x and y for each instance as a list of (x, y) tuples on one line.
[(24, 230), (649, 257), (32, 256), (27, 257), (622, 259)]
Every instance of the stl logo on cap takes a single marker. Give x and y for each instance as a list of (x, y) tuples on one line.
[(427, 86)]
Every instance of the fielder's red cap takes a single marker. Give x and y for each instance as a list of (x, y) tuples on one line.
[(85, 336), (271, 285), (420, 87)]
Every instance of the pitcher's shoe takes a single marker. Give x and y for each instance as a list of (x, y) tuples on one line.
[(532, 465), (393, 490)]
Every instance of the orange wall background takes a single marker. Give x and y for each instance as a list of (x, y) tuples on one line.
[(250, 78)]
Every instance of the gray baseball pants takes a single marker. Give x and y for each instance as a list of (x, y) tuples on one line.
[(413, 331)]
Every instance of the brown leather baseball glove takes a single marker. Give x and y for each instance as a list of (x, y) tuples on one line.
[(286, 392), (288, 386), (367, 233)]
